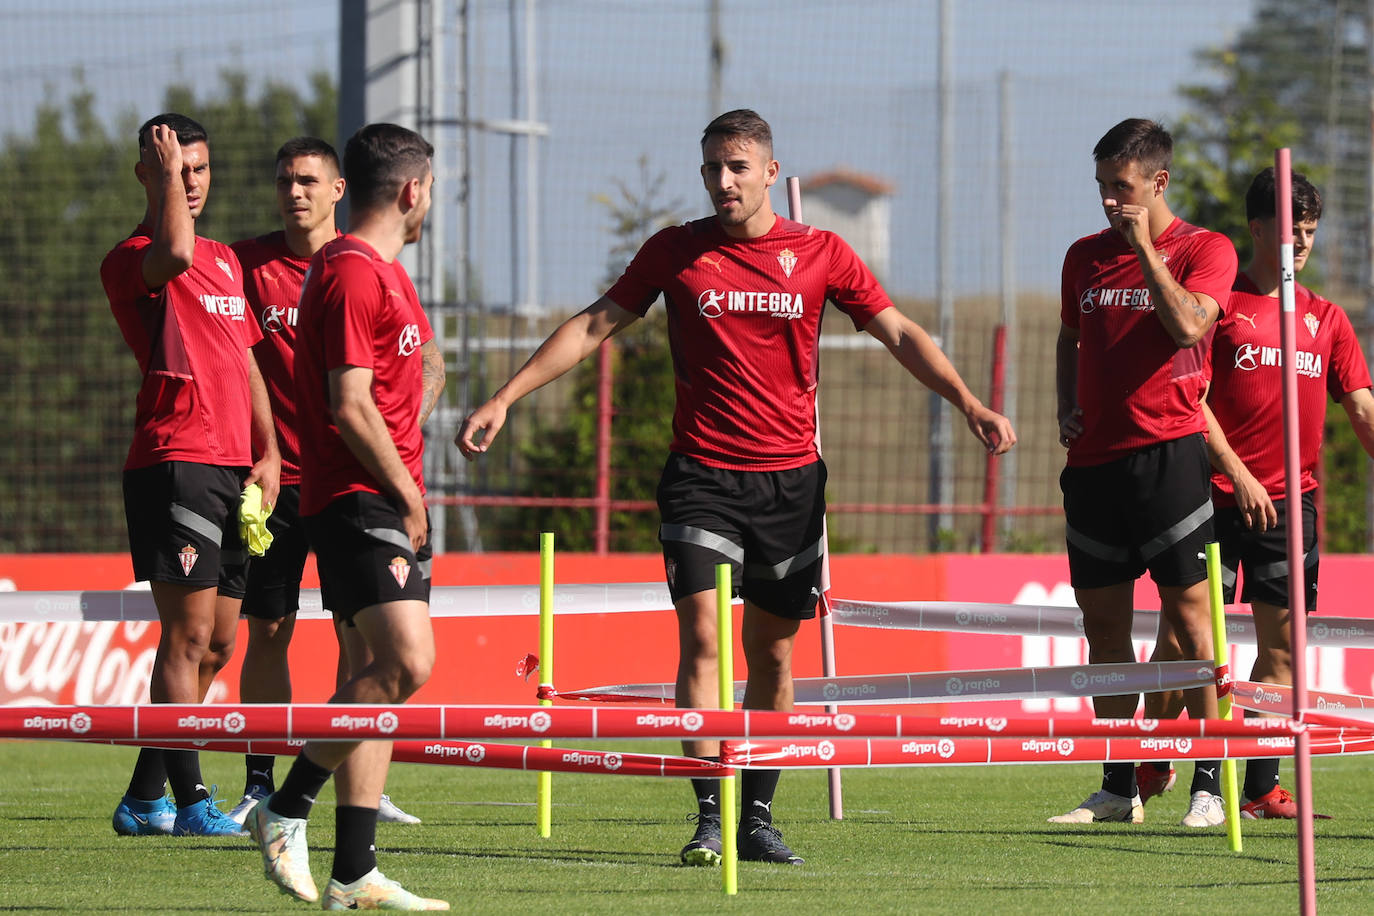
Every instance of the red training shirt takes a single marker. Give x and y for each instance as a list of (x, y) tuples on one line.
[(744, 322), (191, 339), (272, 278), (1135, 386), (1247, 381), (357, 310)]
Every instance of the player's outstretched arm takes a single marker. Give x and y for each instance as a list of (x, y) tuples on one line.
[(573, 341), (1251, 498), (911, 345), (266, 470)]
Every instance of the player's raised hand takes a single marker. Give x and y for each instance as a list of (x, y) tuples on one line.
[(1131, 220), (479, 429), (162, 152)]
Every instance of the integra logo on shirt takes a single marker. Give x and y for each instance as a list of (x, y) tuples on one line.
[(409, 341), (1097, 297), (1253, 356), (713, 304), (231, 307)]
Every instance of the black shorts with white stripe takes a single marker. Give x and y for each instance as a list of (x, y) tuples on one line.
[(1151, 509), (364, 556), (1260, 558), (768, 525), (183, 525)]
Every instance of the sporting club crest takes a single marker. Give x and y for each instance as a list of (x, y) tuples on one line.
[(788, 260), (1312, 323), (400, 570), (188, 556)]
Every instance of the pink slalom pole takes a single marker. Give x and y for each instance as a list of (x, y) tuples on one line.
[(1302, 763), (794, 213)]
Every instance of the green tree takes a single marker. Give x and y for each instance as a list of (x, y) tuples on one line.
[(561, 457), (1296, 77), (70, 195)]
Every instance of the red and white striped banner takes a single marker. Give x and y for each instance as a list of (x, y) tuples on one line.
[(825, 753), (1278, 699), (475, 754), (331, 722)]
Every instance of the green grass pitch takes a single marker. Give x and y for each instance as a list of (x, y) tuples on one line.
[(915, 840)]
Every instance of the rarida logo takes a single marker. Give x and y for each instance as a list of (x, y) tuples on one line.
[(834, 691), (1324, 703), (1081, 679), (955, 685), (979, 619)]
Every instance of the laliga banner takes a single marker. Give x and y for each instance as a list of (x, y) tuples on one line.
[(107, 661)]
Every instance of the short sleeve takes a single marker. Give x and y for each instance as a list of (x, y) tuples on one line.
[(638, 289), (1348, 370), (851, 285)]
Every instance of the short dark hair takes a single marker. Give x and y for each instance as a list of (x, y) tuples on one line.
[(743, 123), (379, 159), (187, 130), (308, 146), (1261, 198), (1137, 140)]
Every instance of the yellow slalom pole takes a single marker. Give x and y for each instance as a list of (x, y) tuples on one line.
[(546, 670), (1223, 659), (725, 652)]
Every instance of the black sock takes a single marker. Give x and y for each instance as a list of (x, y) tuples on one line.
[(756, 792), (149, 781), (259, 767), (1261, 776), (1161, 765), (297, 793), (707, 792), (355, 842), (183, 772), (1119, 779), (1206, 777)]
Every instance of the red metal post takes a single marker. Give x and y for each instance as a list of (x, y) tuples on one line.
[(999, 380), (604, 409)]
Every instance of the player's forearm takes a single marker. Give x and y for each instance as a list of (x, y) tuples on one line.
[(173, 236), (1220, 455), (432, 378), (1186, 316), (573, 341), (1066, 375), (1359, 407), (263, 429)]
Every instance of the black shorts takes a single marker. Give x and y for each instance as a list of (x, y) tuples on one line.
[(1262, 556), (274, 579), (767, 525), (183, 523), (1150, 510), (364, 556)]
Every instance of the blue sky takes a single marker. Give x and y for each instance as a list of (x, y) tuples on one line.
[(843, 84)]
